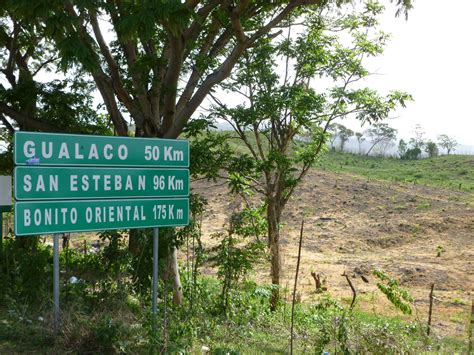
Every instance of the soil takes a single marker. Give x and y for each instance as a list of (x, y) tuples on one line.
[(354, 225)]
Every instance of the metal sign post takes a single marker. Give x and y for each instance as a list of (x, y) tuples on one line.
[(155, 278), (56, 281)]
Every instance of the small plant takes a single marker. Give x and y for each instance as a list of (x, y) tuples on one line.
[(236, 255), (424, 205), (398, 296), (439, 250)]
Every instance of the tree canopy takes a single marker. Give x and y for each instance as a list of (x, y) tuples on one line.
[(153, 62)]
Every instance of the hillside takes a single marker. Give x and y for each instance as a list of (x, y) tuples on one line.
[(354, 224), (453, 172)]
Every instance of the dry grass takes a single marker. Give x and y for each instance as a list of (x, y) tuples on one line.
[(355, 225)]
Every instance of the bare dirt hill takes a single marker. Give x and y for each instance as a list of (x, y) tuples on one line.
[(355, 225)]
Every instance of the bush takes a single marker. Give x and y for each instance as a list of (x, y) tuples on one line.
[(26, 270)]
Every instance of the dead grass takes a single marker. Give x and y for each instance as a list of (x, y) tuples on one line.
[(356, 225)]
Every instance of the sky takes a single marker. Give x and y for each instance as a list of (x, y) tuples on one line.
[(430, 56)]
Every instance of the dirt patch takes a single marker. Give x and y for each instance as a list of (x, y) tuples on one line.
[(355, 225)]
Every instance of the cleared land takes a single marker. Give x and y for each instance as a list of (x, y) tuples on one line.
[(355, 224)]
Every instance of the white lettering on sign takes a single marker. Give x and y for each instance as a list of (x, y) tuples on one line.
[(73, 184), (29, 149), (62, 216), (113, 214), (63, 151), (122, 152), (89, 215), (26, 217), (129, 185), (40, 185), (47, 153), (141, 182), (106, 182), (152, 152), (118, 183), (51, 216), (173, 154), (107, 154), (27, 183), (47, 182), (75, 151), (85, 183), (93, 152), (73, 216), (78, 154)]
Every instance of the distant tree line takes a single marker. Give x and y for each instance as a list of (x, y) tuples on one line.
[(381, 137)]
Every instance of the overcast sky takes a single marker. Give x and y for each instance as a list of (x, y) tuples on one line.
[(430, 56)]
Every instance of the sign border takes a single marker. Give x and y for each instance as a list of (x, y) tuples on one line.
[(15, 160), (103, 229), (36, 199)]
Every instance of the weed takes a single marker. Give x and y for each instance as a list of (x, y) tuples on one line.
[(439, 250), (424, 205), (398, 296)]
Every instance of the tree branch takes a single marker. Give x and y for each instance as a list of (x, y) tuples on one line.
[(7, 124), (27, 121), (122, 94), (223, 71)]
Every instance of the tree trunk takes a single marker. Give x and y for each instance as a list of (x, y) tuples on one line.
[(273, 216)]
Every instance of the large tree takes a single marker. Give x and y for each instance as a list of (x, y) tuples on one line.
[(280, 105), (155, 61)]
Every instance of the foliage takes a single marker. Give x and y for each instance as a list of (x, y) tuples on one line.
[(112, 324), (418, 141), (344, 134), (448, 143), (398, 296), (235, 255), (412, 154), (381, 137), (25, 269), (277, 109), (451, 172), (431, 149), (402, 148), (150, 50), (360, 139)]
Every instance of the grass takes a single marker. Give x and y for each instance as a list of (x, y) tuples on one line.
[(451, 172), (112, 325), (455, 172)]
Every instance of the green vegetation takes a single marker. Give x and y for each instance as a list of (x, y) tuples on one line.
[(103, 314), (452, 172), (197, 47)]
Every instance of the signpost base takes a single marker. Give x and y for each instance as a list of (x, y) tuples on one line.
[(56, 281)]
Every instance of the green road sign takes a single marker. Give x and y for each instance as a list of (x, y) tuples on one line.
[(51, 183), (45, 217), (32, 148)]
